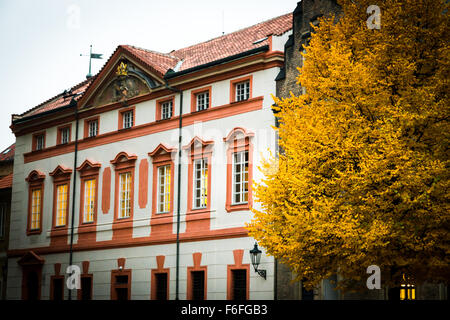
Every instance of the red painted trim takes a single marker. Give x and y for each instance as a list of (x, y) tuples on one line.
[(123, 227), (25, 274), (121, 112), (233, 87), (159, 269), (34, 140), (198, 219), (227, 233), (86, 274), (196, 257), (87, 231), (208, 76), (215, 113), (35, 181), (86, 127), (194, 94), (52, 286), (59, 135), (237, 145), (106, 190), (115, 285), (58, 234), (158, 108), (238, 255), (143, 183)]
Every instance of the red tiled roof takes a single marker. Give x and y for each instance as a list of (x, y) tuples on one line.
[(8, 153), (59, 100), (6, 181), (232, 43), (199, 54)]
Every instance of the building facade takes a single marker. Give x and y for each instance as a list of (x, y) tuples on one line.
[(6, 177), (141, 175)]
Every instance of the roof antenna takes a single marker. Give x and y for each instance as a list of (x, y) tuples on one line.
[(223, 22)]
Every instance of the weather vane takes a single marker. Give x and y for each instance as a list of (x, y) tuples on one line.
[(91, 56)]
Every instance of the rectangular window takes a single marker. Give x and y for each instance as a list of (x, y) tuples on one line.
[(202, 101), (161, 286), (240, 177), (164, 186), (125, 195), (239, 283), (2, 219), (128, 119), (200, 183), (36, 209), (89, 200), (93, 128), (198, 285), (40, 142), (242, 91), (61, 205), (65, 135), (58, 289), (86, 288), (166, 110)]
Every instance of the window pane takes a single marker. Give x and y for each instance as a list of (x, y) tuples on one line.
[(61, 205), (125, 195), (35, 209), (240, 177), (164, 178), (89, 200)]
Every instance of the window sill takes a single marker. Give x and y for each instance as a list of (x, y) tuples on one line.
[(33, 232), (237, 207)]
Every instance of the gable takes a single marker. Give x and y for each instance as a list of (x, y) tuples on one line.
[(120, 80)]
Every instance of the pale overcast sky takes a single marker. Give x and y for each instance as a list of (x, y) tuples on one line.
[(41, 40)]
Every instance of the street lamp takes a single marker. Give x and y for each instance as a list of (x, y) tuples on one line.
[(255, 256)]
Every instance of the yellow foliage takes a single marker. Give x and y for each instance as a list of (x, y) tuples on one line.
[(364, 174)]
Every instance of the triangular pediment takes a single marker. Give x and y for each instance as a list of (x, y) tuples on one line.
[(30, 258), (122, 79)]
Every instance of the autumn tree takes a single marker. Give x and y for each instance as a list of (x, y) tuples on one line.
[(363, 177)]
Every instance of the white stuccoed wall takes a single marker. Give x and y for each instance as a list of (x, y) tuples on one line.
[(216, 253)]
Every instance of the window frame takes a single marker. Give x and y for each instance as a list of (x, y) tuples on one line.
[(242, 161), (159, 108), (195, 94), (198, 149), (60, 135), (3, 209), (87, 127), (87, 231), (35, 182), (196, 257), (35, 144), (238, 140), (61, 176), (233, 89), (122, 117)]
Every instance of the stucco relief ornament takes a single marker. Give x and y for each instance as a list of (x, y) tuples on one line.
[(124, 87)]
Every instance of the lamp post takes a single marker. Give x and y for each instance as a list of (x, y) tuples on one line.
[(255, 256)]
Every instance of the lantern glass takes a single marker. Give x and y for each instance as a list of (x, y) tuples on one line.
[(255, 255)]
